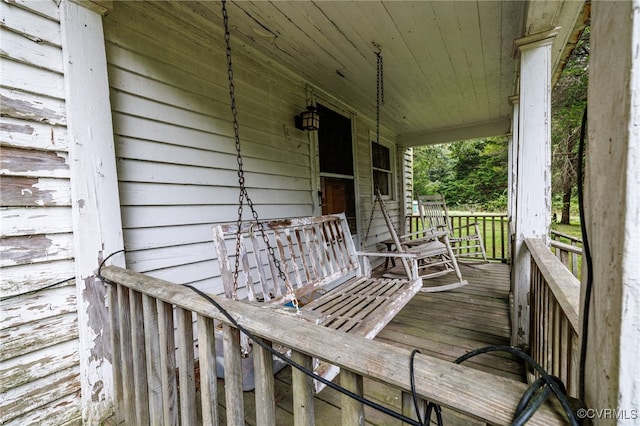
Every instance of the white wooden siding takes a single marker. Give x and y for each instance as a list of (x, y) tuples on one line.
[(39, 365), (177, 168)]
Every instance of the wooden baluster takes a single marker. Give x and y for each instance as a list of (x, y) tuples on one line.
[(207, 367), (303, 408), (233, 376), (167, 347), (409, 408), (152, 347), (114, 315), (265, 391), (186, 373), (352, 410), (126, 355), (141, 397)]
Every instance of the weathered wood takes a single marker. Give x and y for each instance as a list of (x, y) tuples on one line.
[(152, 353), (186, 366), (41, 392), (49, 412), (32, 135), (554, 310), (22, 49), (31, 192), (45, 304), (126, 356), (43, 333), (30, 249), (20, 279), (303, 404), (359, 304), (265, 392), (533, 215), (168, 363), (352, 410), (233, 376), (116, 353), (207, 368), (35, 163), (479, 394), (36, 28), (565, 287), (97, 226), (19, 371)]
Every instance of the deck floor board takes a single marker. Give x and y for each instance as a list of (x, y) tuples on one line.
[(444, 325)]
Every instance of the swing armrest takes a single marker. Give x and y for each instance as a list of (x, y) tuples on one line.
[(411, 257)]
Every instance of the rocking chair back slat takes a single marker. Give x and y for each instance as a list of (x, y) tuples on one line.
[(467, 243)]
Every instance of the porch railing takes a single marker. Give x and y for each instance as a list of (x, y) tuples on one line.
[(554, 301), (568, 249), (493, 227), (156, 383)]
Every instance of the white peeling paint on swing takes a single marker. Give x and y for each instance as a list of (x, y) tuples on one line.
[(176, 158), (39, 360)]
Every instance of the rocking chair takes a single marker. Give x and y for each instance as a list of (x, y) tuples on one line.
[(435, 215), (432, 249)]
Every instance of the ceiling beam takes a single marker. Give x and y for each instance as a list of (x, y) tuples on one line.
[(478, 130)]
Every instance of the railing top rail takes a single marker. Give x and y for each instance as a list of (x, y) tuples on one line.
[(477, 393), (456, 214), (566, 247), (567, 236), (565, 287)]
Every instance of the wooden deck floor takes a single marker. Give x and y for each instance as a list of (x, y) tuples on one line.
[(445, 325)]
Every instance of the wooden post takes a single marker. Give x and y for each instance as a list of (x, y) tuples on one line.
[(233, 375), (533, 196), (303, 405), (265, 390), (207, 364), (352, 410), (514, 140), (97, 228), (613, 210)]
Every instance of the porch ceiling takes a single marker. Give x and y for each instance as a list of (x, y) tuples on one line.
[(449, 66)]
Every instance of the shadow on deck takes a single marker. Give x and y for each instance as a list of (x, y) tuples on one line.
[(445, 325)]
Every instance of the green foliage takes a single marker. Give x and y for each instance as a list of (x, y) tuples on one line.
[(470, 174), (568, 101)]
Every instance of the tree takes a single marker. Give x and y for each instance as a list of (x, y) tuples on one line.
[(468, 173), (569, 98)]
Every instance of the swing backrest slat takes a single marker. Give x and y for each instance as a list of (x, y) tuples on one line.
[(312, 253)]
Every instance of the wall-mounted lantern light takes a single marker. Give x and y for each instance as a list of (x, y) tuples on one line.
[(308, 120)]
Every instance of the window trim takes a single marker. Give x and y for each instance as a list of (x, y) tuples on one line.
[(392, 164)]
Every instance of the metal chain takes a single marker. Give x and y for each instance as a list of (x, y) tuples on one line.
[(244, 195), (373, 209), (379, 93), (379, 100)]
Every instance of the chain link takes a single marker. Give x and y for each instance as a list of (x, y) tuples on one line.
[(244, 195), (379, 100)]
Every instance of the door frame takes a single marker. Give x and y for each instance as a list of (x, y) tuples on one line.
[(314, 143)]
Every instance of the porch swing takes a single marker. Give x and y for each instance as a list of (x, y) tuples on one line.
[(307, 266)]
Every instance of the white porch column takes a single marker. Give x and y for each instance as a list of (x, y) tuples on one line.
[(97, 226), (533, 194), (612, 192), (513, 176)]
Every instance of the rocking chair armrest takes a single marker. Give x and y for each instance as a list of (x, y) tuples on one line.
[(386, 254), (423, 234)]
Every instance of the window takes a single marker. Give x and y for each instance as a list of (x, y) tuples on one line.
[(381, 161)]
